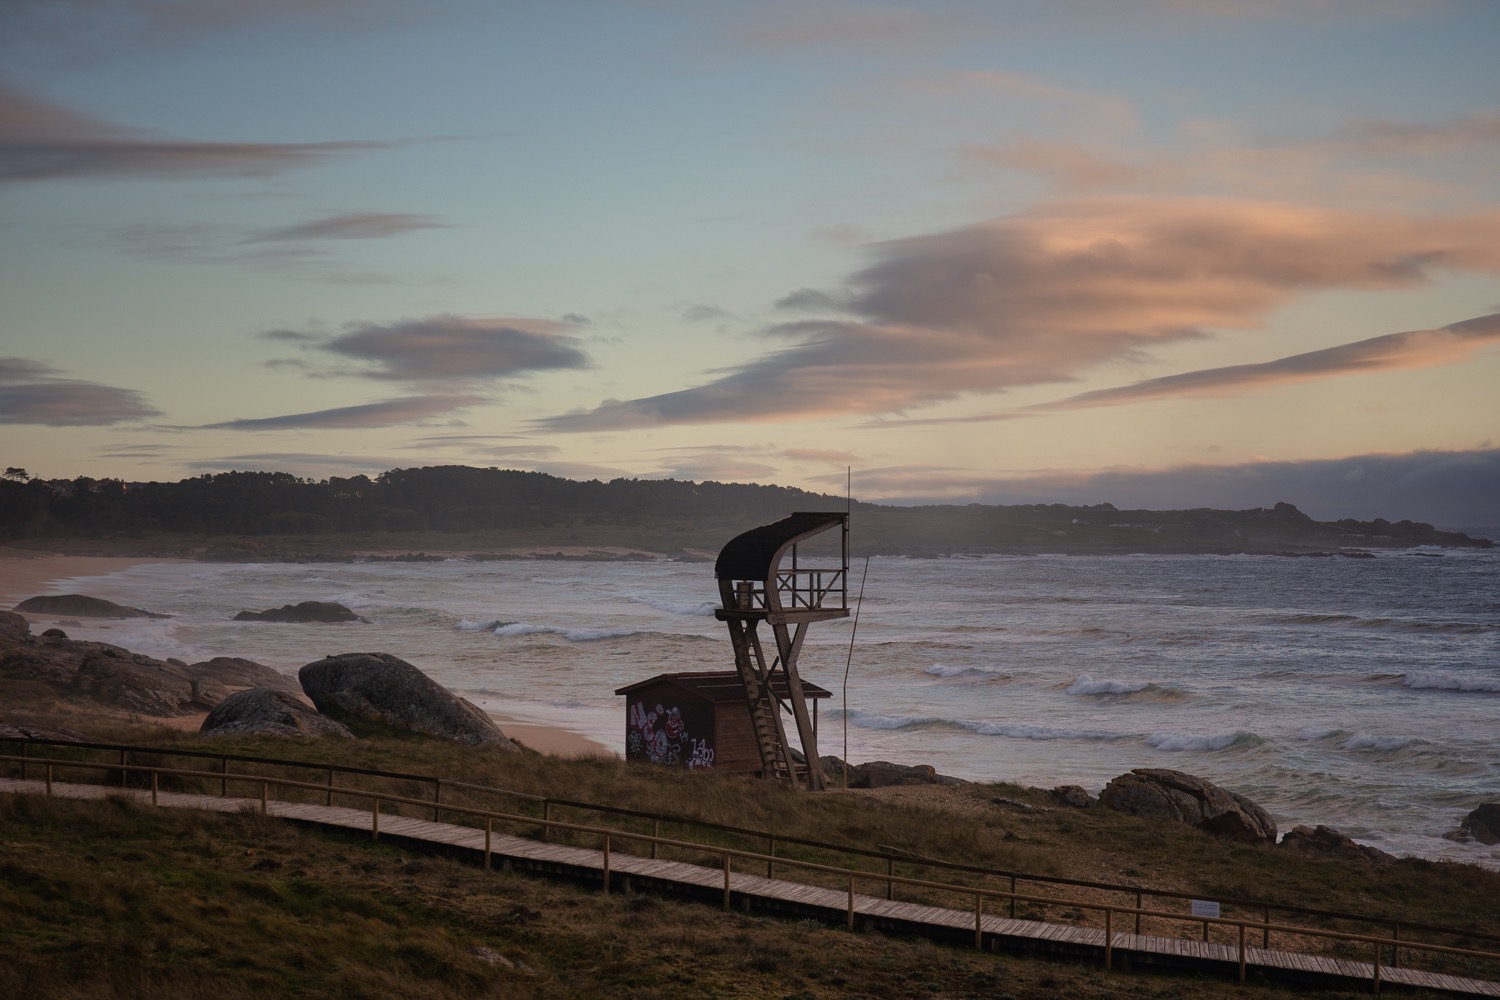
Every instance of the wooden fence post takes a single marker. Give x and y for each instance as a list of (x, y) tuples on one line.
[(851, 901), (1109, 938), (726, 881), (154, 781), (489, 824), (978, 921), (1242, 953), (606, 864), (374, 818)]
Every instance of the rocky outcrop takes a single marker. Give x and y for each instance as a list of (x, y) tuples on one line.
[(13, 627), (81, 606), (238, 672), (1482, 824), (1158, 793), (1073, 796), (1326, 842), (379, 687), (307, 611), (264, 712), (128, 681), (11, 731), (884, 774)]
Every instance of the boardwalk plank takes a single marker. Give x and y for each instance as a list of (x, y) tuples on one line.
[(506, 847)]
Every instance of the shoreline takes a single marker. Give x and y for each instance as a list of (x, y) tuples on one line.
[(23, 577)]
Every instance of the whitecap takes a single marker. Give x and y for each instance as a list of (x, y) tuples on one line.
[(1190, 741), (701, 608), (1042, 732), (571, 634), (1365, 741), (1085, 685), (1447, 682)]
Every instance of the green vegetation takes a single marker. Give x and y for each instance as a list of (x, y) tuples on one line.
[(111, 898), (456, 508)]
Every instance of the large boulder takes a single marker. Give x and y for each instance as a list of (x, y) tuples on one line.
[(109, 674), (307, 611), (1326, 842), (263, 712), (884, 774), (237, 672), (1159, 793), (81, 606), (379, 687), (13, 627), (1482, 824)]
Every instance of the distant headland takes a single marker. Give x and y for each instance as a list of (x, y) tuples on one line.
[(458, 510)]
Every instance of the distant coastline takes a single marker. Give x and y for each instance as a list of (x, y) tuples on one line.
[(456, 511)]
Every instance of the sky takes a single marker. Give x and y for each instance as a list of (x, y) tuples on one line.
[(1156, 253)]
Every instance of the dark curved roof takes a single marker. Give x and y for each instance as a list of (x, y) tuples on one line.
[(752, 555)]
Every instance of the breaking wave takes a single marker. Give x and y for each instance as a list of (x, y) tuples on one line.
[(1214, 741), (1086, 685), (571, 634), (1448, 682), (700, 608), (949, 671)]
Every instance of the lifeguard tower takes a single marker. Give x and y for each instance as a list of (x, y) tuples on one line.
[(756, 588)]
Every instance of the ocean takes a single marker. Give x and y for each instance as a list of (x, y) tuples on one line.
[(1359, 693)]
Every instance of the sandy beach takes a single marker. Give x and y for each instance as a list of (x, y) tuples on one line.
[(29, 576)]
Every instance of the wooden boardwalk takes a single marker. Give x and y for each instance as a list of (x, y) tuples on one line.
[(755, 892)]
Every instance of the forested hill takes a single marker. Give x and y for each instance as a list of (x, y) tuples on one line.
[(490, 508)]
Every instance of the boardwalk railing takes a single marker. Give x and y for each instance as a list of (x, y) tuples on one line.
[(984, 900)]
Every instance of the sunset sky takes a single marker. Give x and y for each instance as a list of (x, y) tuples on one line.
[(1161, 253)]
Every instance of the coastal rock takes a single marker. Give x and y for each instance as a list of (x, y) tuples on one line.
[(264, 712), (11, 731), (13, 627), (1073, 796), (104, 673), (1159, 793), (1326, 842), (238, 672), (1482, 824), (884, 774), (81, 606), (307, 611), (379, 687)]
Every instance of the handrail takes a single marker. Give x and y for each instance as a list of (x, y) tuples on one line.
[(980, 894), (886, 854)]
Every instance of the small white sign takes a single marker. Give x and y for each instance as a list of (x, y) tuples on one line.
[(1205, 908)]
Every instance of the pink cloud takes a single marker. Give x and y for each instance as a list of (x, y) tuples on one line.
[(1043, 296)]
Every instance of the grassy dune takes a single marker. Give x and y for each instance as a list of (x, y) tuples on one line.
[(115, 899)]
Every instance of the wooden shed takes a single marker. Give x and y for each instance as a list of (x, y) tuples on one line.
[(698, 720)]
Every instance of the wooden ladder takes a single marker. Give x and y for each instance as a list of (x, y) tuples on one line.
[(765, 707)]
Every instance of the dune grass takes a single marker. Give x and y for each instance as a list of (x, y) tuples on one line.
[(119, 900)]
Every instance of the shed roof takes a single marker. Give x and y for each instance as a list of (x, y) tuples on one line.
[(752, 555), (719, 686)]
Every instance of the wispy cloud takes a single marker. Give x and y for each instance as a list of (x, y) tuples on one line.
[(33, 393), (350, 226), (1413, 349), (1046, 295), (40, 141), (450, 348), (386, 413)]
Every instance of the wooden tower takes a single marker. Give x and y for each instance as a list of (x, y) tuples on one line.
[(755, 588)]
